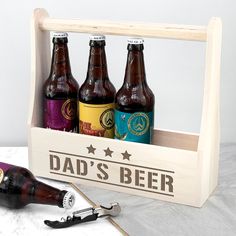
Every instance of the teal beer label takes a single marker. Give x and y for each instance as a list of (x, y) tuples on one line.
[(135, 127)]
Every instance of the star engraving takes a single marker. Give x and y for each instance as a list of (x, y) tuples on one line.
[(91, 149), (126, 155), (108, 152)]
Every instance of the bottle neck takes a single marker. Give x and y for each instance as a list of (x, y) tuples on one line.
[(135, 68), (97, 64), (41, 193), (60, 60)]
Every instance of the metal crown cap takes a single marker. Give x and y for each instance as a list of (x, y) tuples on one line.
[(60, 35), (97, 37), (68, 200), (135, 41)]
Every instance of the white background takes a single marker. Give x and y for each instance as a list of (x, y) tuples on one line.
[(175, 69)]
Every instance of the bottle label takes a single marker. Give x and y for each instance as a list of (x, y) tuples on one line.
[(135, 127), (60, 114), (3, 169), (96, 120)]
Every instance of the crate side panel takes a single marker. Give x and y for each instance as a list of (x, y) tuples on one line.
[(147, 170), (179, 140), (209, 139)]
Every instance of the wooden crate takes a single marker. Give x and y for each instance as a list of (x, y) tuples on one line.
[(178, 167)]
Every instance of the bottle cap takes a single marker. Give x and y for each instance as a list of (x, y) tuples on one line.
[(68, 200), (60, 35), (135, 41), (97, 37)]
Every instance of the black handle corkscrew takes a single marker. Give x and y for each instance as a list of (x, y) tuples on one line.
[(85, 215)]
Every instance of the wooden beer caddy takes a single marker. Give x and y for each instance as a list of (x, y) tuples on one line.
[(178, 167)]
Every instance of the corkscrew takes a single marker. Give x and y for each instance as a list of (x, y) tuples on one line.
[(85, 215)]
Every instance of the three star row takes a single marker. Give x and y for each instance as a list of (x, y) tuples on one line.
[(108, 152)]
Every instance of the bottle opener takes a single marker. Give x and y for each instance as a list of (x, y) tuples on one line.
[(85, 215)]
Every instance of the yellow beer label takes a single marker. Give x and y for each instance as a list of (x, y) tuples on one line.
[(96, 120), (1, 175)]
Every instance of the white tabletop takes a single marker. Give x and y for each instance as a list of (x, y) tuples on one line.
[(30, 219)]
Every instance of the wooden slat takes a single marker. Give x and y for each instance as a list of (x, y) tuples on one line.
[(208, 146), (40, 65), (170, 31)]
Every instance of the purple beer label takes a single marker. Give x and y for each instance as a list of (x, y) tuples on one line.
[(60, 114), (4, 167)]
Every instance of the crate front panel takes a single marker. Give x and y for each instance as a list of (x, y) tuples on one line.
[(148, 170)]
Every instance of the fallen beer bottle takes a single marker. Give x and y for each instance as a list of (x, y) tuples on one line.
[(19, 187)]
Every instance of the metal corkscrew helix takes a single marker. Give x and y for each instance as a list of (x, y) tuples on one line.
[(85, 215)]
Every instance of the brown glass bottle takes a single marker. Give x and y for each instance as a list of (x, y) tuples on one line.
[(18, 187), (60, 90), (134, 109), (97, 94)]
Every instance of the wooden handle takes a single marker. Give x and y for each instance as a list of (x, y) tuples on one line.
[(182, 32)]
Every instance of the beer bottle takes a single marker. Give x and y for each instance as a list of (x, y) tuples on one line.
[(97, 94), (134, 110), (60, 89), (18, 187)]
